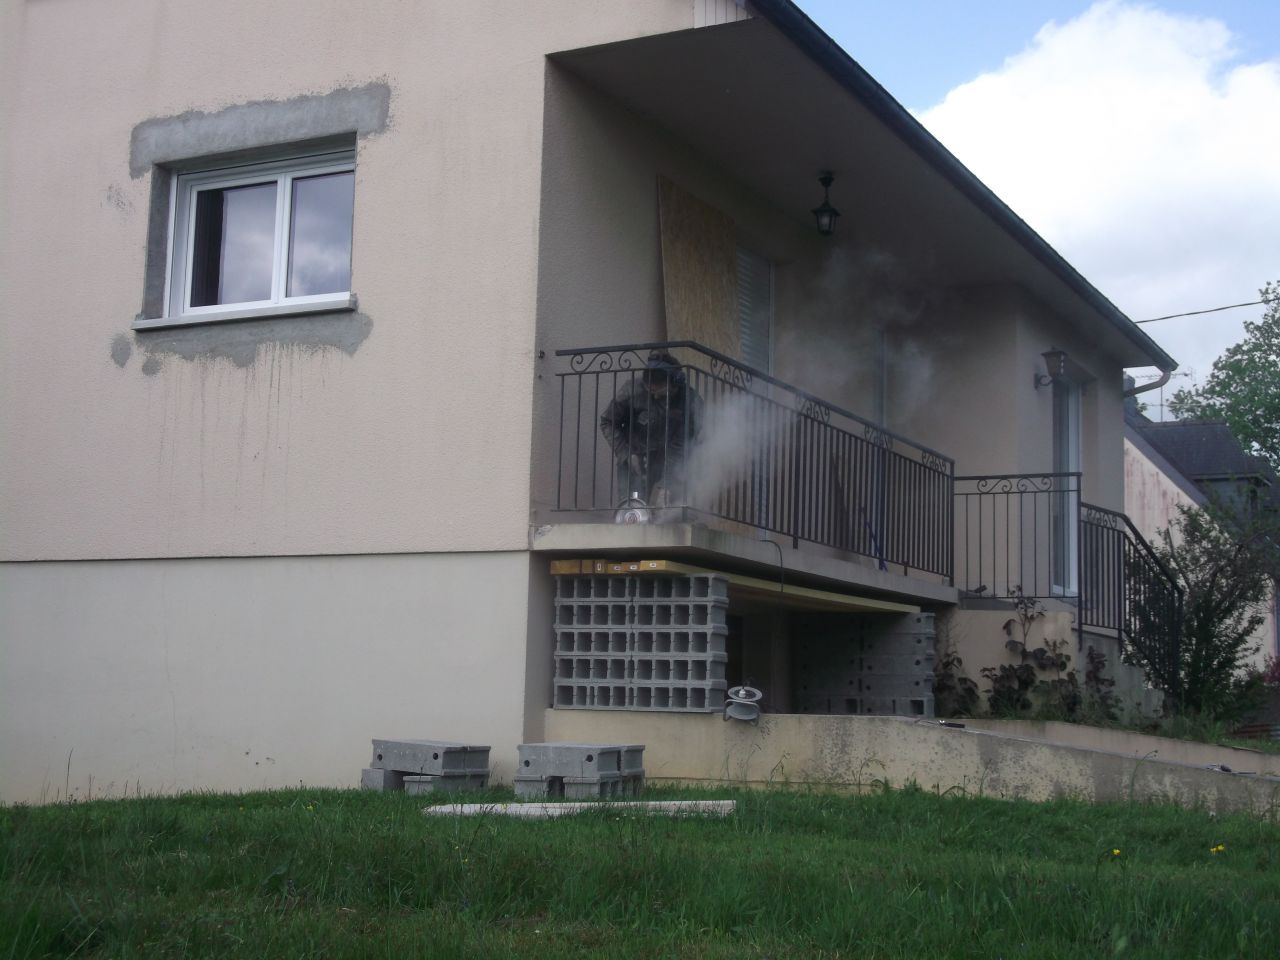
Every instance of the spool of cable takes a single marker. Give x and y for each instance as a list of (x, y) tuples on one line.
[(743, 703)]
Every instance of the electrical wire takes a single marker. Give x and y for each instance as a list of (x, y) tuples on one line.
[(1196, 313)]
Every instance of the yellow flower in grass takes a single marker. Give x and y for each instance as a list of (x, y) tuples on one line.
[(1115, 852), (1220, 848)]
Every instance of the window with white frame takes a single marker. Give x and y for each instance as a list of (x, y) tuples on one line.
[(260, 239)]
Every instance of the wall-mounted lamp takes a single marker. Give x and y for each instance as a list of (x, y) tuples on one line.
[(1055, 361), (825, 215)]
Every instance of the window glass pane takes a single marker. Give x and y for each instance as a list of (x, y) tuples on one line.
[(234, 246), (320, 235)]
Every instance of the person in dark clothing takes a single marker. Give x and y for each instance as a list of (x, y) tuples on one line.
[(651, 425)]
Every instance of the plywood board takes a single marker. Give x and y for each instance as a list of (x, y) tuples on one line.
[(699, 270)]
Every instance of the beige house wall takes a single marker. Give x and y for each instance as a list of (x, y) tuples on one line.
[(240, 674), (403, 427)]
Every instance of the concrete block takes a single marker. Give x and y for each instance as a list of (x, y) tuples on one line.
[(594, 788), (612, 696), (429, 757), (902, 664), (603, 613), (696, 697), (707, 587), (904, 706), (538, 788), (896, 685), (446, 783), (632, 759), (568, 759), (575, 693), (600, 787), (381, 780)]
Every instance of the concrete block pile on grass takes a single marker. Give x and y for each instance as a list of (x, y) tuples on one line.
[(579, 771), (426, 766)]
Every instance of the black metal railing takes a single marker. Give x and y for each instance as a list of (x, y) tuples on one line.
[(1126, 588), (1017, 534), (730, 442), (1030, 535)]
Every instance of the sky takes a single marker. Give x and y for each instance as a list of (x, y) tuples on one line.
[(1140, 139)]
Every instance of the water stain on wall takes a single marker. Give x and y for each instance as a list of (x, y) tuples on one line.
[(121, 349), (241, 342)]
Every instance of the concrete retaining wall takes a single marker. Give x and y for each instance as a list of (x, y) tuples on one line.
[(1135, 745), (862, 752)]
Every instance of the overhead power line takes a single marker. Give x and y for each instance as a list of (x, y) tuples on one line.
[(1196, 313)]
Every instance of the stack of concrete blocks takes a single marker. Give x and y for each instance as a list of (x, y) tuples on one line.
[(579, 771), (426, 766), (641, 642), (877, 664)]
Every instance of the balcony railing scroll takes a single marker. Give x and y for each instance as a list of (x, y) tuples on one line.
[(730, 443)]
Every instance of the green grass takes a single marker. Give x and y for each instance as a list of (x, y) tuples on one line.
[(314, 873)]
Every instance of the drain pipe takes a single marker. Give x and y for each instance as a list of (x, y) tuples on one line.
[(1153, 385)]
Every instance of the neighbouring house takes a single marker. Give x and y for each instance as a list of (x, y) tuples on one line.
[(1181, 463), (311, 316)]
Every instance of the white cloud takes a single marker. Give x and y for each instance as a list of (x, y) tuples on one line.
[(1138, 145)]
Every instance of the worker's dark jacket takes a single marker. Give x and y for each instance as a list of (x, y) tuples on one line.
[(638, 423)]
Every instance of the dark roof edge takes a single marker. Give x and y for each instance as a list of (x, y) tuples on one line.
[(828, 54)]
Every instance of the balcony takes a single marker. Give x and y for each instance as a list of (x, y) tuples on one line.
[(718, 444), (733, 448)]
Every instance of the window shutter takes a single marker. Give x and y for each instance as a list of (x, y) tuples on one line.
[(755, 309)]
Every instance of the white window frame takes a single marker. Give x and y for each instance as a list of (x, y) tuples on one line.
[(184, 189)]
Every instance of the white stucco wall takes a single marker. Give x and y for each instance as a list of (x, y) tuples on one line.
[(250, 673), (416, 438)]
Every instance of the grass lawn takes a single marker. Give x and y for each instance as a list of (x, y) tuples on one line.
[(322, 873)]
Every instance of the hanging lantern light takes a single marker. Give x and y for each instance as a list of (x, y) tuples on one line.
[(825, 215)]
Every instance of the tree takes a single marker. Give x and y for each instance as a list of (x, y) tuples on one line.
[(1243, 388), (1224, 565)]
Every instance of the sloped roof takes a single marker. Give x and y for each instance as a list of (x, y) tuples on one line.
[(1204, 450)]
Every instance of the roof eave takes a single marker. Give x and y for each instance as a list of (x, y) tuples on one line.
[(810, 38)]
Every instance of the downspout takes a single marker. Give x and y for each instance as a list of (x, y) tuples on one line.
[(1153, 385)]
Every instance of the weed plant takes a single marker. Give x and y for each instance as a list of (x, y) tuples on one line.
[(316, 873)]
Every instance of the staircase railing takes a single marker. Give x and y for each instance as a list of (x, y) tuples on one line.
[(1029, 535), (1128, 589)]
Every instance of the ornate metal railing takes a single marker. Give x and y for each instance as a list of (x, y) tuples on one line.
[(736, 444), (1030, 535), (1017, 534), (1128, 589)]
